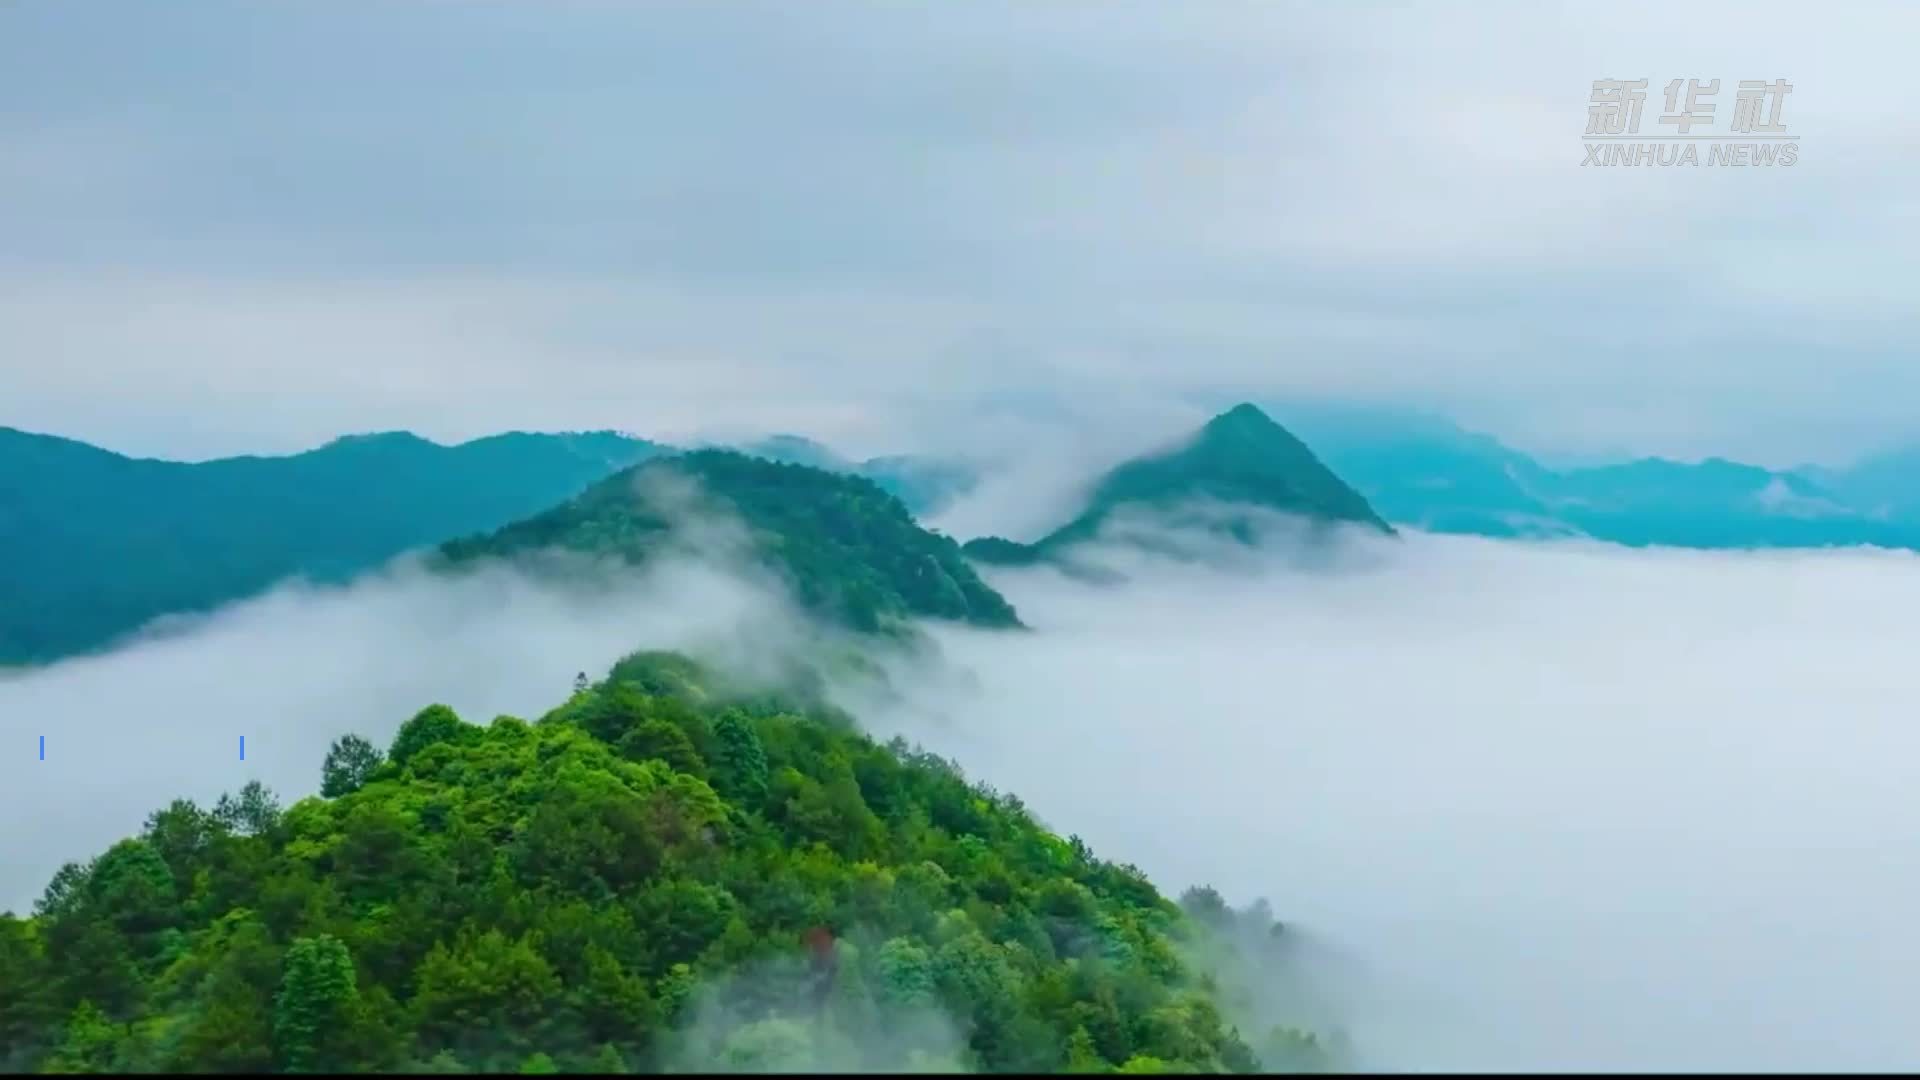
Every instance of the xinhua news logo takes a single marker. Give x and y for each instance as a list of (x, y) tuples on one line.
[(1754, 134)]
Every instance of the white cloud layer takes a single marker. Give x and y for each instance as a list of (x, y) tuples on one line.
[(1553, 806), (292, 670)]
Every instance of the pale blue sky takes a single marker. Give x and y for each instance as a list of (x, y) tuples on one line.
[(229, 227)]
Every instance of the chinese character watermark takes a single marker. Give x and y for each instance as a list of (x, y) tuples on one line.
[(1746, 106), (1755, 134), (1695, 111), (1616, 106)]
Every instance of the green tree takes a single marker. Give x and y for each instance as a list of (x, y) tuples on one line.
[(350, 762), (253, 813), (26, 1005), (317, 993), (655, 738), (615, 1001), (677, 988), (229, 1027), (433, 724), (88, 1045), (743, 761), (608, 1061), (182, 834), (487, 983), (1082, 1057), (906, 973), (132, 886)]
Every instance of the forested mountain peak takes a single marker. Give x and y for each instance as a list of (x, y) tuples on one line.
[(1240, 455), (653, 876), (1239, 458), (1245, 416), (850, 550)]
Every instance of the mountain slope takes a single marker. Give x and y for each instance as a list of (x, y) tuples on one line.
[(1424, 472), (94, 544), (924, 484), (850, 551), (1240, 458), (653, 877)]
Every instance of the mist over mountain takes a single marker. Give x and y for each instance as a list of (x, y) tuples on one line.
[(850, 551), (1424, 472), (925, 484), (670, 867), (1239, 459), (94, 544)]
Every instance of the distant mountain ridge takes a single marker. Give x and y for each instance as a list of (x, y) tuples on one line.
[(1240, 458), (850, 550), (925, 484), (1427, 473), (94, 544)]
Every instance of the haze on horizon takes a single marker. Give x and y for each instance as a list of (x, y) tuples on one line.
[(244, 228)]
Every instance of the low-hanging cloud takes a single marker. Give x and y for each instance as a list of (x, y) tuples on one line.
[(1532, 805), (290, 671)]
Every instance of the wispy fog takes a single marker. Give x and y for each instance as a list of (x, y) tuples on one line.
[(292, 670), (1534, 806), (1036, 471)]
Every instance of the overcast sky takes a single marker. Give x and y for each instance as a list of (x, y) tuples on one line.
[(233, 227)]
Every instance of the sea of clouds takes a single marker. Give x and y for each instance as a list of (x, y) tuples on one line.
[(1537, 805), (1534, 805)]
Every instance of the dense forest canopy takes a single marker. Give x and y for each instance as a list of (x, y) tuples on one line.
[(659, 874), (849, 550)]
